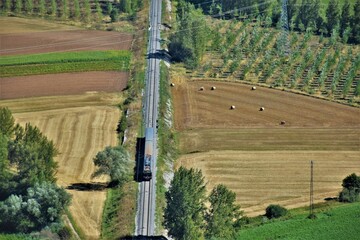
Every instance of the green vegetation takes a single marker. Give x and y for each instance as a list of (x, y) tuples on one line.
[(186, 216), (351, 189), (341, 222), (275, 211), (46, 63), (27, 179)]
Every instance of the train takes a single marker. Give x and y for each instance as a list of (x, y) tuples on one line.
[(148, 154)]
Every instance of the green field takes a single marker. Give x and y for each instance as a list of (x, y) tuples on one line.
[(64, 62), (340, 222)]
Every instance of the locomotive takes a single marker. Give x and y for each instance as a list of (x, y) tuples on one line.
[(148, 153)]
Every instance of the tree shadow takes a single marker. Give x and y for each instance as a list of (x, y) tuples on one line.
[(87, 186)]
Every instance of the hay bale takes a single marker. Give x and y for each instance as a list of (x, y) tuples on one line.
[(213, 88), (172, 84), (253, 88), (282, 123), (201, 88), (232, 107), (262, 109)]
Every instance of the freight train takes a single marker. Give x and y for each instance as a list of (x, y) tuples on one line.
[(148, 154)]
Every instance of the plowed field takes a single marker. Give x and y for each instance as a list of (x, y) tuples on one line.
[(62, 84), (263, 161), (80, 126)]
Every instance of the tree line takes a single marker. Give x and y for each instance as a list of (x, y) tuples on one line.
[(303, 15), (30, 200), (77, 10)]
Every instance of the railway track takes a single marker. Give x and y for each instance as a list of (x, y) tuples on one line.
[(145, 217)]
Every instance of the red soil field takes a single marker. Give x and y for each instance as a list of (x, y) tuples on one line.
[(62, 84), (59, 41)]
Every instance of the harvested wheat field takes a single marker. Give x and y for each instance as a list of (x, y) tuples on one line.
[(80, 126), (27, 37), (62, 84), (264, 156)]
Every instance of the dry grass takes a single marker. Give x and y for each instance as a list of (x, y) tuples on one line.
[(80, 126), (248, 150)]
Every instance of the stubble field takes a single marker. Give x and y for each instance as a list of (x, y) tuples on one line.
[(250, 151), (79, 126)]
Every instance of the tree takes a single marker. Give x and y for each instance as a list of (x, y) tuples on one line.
[(355, 23), (42, 8), (98, 10), (18, 6), (308, 14), (345, 17), (115, 162), (114, 15), (332, 15), (87, 11), (275, 211), (125, 6), (223, 218), (351, 189), (65, 9), (184, 212), (33, 155), (76, 14), (109, 8), (42, 206), (7, 126), (29, 7), (53, 8), (7, 6)]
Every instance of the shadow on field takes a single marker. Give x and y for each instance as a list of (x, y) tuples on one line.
[(139, 159), (87, 186), (143, 238)]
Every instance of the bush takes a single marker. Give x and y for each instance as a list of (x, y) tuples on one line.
[(275, 211), (349, 195)]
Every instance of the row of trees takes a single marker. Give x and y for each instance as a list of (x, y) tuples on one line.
[(30, 200), (302, 14), (186, 216), (78, 10)]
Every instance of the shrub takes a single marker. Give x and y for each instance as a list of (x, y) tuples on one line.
[(275, 211), (349, 195)]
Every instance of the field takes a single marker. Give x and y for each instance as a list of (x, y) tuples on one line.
[(78, 111), (255, 155), (341, 222), (80, 126)]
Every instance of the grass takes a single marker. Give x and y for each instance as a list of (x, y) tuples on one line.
[(64, 62), (75, 226), (340, 222)]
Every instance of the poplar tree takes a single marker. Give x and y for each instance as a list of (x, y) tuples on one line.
[(184, 212), (7, 6), (76, 14), (42, 7), (355, 23), (98, 10), (29, 7), (87, 11), (332, 15), (345, 17), (53, 8), (223, 218), (65, 9), (18, 6), (109, 8)]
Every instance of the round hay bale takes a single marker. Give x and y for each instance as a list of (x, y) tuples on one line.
[(213, 88), (282, 123), (253, 88), (172, 84), (201, 88), (232, 107), (262, 109)]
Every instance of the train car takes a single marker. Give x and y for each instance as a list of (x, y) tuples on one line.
[(148, 154)]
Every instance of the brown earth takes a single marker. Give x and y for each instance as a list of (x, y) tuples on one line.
[(80, 126), (256, 156), (47, 37), (62, 84)]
